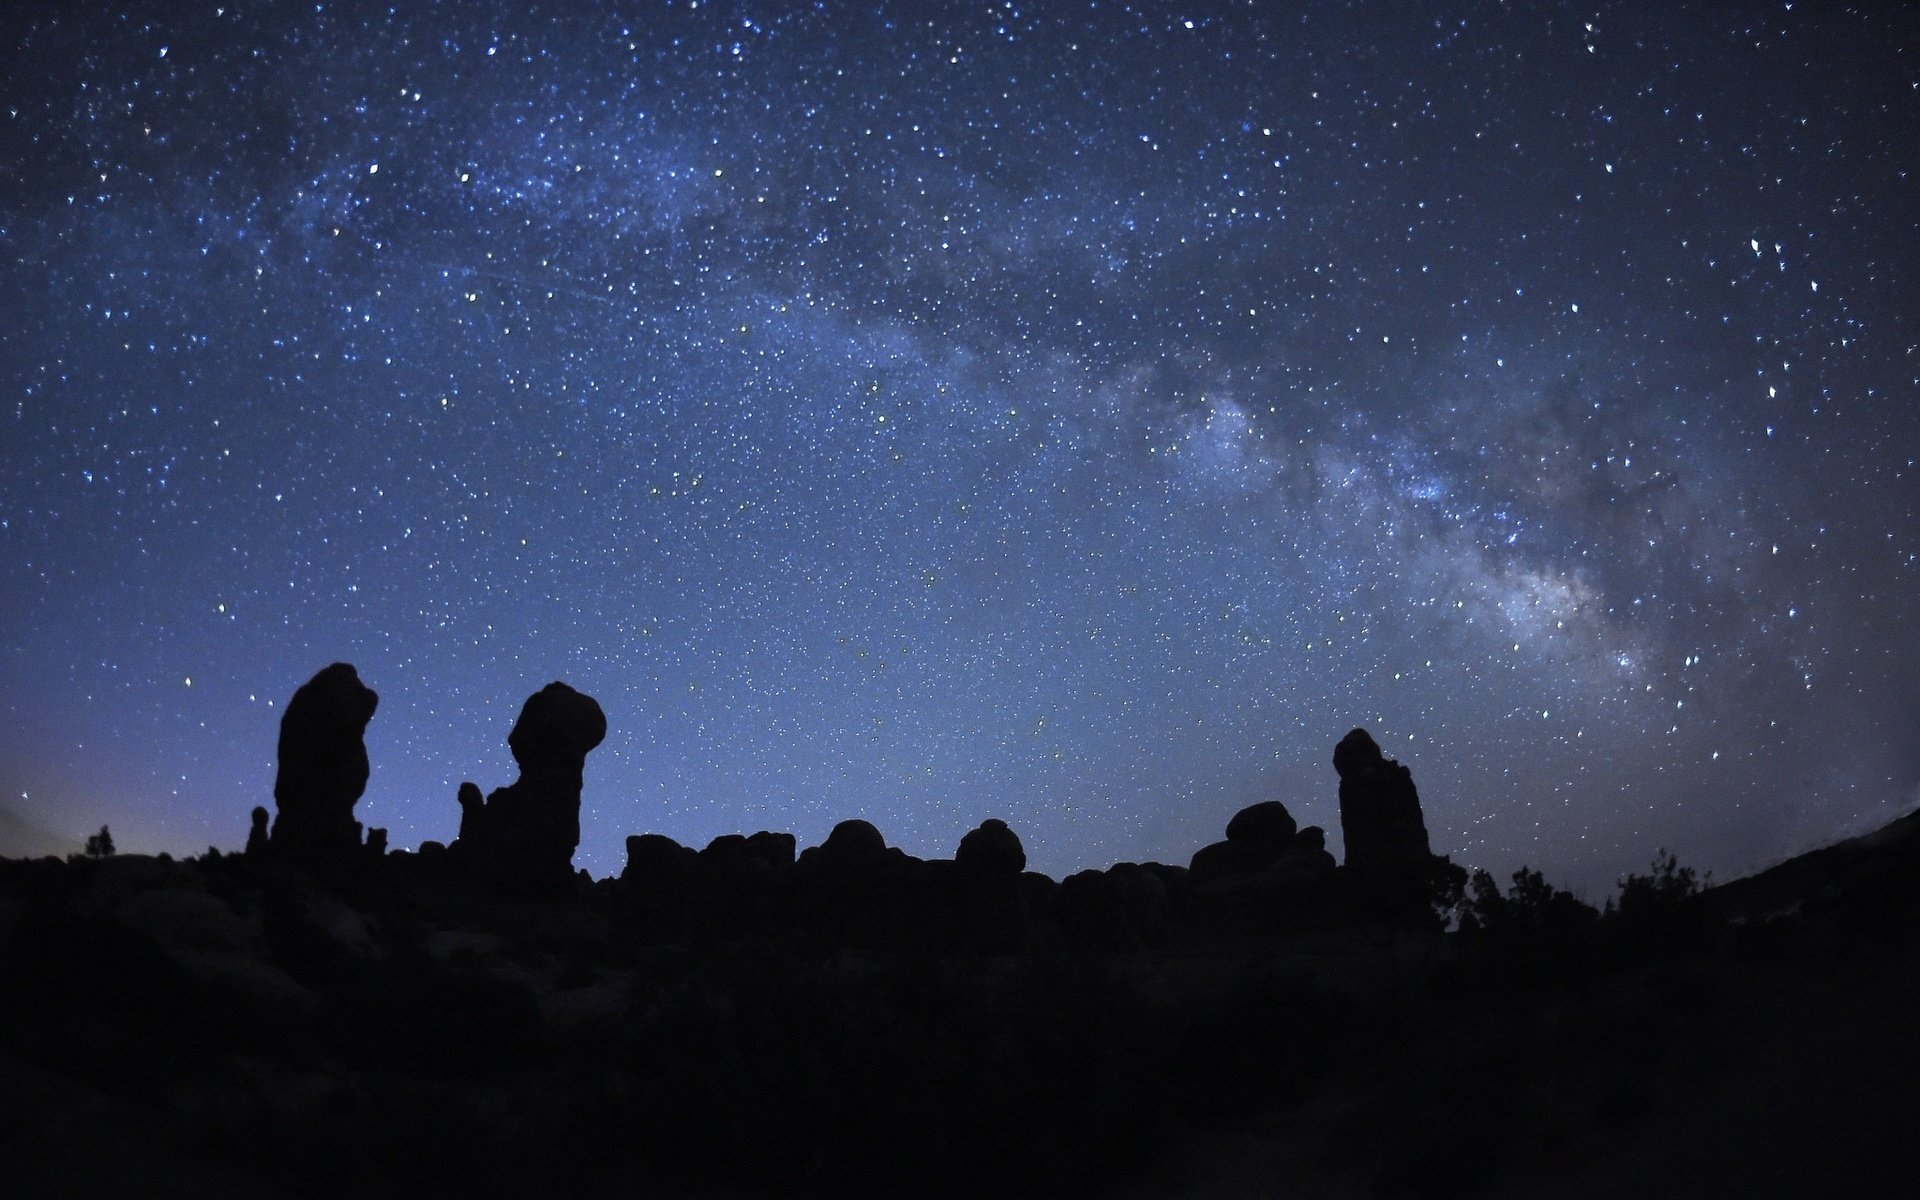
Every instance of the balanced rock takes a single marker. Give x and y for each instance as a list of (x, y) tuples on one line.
[(526, 833), (1256, 838), (323, 765)]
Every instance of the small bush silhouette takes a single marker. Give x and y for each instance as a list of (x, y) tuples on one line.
[(1530, 906), (100, 845), (1666, 886), (1657, 912)]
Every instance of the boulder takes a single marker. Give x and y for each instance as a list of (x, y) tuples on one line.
[(992, 850), (1232, 859), (1264, 822), (1121, 909), (852, 844), (1300, 866)]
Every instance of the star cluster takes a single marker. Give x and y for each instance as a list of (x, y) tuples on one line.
[(1078, 414)]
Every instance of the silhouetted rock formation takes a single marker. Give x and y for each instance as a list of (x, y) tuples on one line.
[(852, 845), (739, 1020), (1267, 874), (1390, 864), (1266, 822), (1127, 907), (1379, 807), (323, 766), (652, 856), (991, 850), (257, 839), (525, 833)]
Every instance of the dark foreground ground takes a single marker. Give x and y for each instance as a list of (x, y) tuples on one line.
[(236, 1026)]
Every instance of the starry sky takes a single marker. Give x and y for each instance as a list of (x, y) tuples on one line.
[(1077, 413)]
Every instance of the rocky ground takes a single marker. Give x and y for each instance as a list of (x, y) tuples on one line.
[(239, 1024), (318, 1017)]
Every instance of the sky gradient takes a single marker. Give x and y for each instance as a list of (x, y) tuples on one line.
[(1078, 414)]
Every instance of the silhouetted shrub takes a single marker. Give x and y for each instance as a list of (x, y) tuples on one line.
[(1660, 911), (1535, 933), (1531, 906), (1665, 886)]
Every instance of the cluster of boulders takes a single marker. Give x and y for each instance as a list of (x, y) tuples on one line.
[(1266, 867), (522, 835), (852, 889), (1267, 874)]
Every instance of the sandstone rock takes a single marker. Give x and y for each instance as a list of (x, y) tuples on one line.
[(1221, 860), (775, 849), (991, 850), (1121, 909), (1300, 866), (525, 833), (1390, 863), (654, 855), (1379, 807), (1265, 822), (852, 843), (323, 766)]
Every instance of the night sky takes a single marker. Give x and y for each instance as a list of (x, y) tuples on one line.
[(1074, 413)]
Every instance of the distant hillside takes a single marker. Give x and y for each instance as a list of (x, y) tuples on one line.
[(1847, 872)]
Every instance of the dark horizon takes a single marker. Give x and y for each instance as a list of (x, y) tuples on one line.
[(317, 1015), (1077, 417)]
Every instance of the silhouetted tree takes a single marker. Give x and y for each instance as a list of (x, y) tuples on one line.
[(1656, 911), (1446, 887), (100, 845), (1531, 905), (1666, 885)]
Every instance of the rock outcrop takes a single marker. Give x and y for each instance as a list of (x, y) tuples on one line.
[(852, 845), (323, 766), (1390, 864), (1268, 874), (1379, 808), (1260, 838), (1265, 822), (525, 833), (992, 850)]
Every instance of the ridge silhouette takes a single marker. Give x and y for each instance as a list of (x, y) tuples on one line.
[(320, 1016)]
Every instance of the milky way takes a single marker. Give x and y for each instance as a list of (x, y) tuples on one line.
[(1074, 414)]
